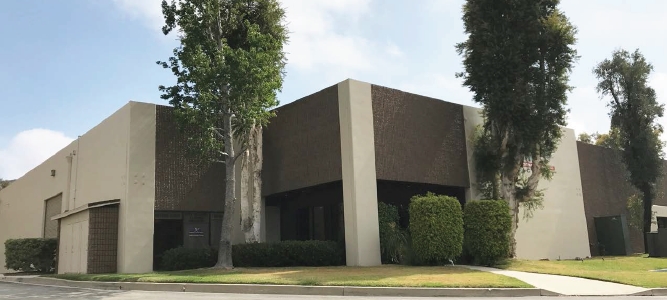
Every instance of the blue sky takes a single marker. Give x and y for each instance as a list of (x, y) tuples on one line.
[(67, 65)]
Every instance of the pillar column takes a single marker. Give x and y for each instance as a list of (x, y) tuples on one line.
[(362, 237)]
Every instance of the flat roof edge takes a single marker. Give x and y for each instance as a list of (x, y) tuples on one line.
[(84, 208)]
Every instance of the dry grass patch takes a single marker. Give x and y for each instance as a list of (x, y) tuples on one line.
[(632, 270), (385, 276)]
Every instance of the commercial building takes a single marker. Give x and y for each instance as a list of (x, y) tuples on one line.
[(126, 191)]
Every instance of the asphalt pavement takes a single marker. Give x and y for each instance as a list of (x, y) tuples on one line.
[(37, 292)]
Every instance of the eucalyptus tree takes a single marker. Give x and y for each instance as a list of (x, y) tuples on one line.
[(517, 59), (229, 67), (634, 111)]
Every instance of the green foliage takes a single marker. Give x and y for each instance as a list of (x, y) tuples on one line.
[(634, 113), (436, 228), (278, 254), (487, 226), (607, 140), (5, 183), (182, 258), (519, 74), (487, 166), (31, 255), (585, 138), (393, 239), (289, 254), (635, 207), (229, 63), (229, 67)]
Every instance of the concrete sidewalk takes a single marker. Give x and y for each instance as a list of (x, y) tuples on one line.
[(569, 286)]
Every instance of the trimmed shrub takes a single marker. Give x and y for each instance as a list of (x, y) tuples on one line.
[(289, 254), (279, 254), (436, 228), (31, 255), (393, 239), (487, 231), (182, 258)]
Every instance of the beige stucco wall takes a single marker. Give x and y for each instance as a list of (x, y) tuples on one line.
[(559, 229), (99, 168), (659, 211), (22, 203), (135, 242), (73, 246), (362, 240), (114, 160), (98, 173)]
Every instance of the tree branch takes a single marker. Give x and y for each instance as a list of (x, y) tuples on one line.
[(534, 179), (241, 153), (613, 95)]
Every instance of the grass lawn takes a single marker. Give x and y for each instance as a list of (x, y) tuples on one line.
[(632, 270), (385, 276)]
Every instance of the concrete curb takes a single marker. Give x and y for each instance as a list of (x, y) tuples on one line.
[(285, 289), (652, 292)]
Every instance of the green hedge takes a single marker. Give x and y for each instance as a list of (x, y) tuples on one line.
[(182, 258), (393, 239), (487, 231), (436, 228), (31, 255), (289, 254), (279, 254)]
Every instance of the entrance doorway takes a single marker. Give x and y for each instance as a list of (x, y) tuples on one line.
[(613, 235), (168, 235)]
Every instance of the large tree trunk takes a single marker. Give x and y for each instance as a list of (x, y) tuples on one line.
[(246, 199), (508, 188), (225, 244), (648, 213), (508, 177), (257, 161), (251, 174)]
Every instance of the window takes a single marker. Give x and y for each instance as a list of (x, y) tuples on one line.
[(662, 223)]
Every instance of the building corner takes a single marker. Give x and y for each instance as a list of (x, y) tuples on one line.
[(362, 238)]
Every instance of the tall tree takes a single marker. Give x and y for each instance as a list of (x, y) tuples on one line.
[(517, 58), (634, 113), (607, 140), (229, 67), (585, 138)]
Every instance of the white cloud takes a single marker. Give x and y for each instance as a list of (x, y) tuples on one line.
[(322, 35), (394, 51), (577, 126), (150, 11), (617, 21), (28, 149)]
